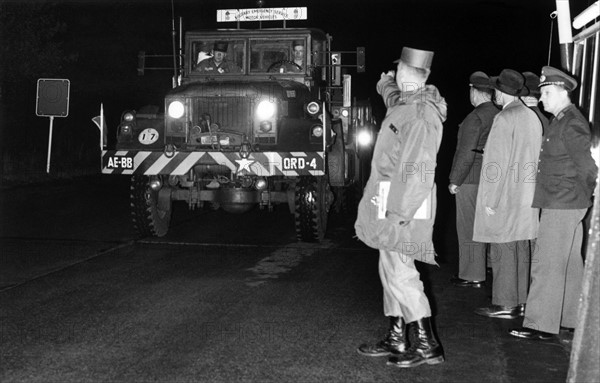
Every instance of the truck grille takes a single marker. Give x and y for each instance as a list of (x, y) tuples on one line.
[(233, 113)]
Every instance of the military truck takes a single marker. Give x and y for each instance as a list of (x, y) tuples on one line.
[(257, 129)]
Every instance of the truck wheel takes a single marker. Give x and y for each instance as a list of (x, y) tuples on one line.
[(149, 219), (313, 198)]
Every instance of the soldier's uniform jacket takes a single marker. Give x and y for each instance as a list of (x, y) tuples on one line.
[(508, 174), (472, 136), (542, 117), (209, 65), (405, 155), (566, 171)]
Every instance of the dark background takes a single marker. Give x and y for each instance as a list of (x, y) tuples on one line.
[(94, 44)]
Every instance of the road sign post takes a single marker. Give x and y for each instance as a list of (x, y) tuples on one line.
[(52, 100)]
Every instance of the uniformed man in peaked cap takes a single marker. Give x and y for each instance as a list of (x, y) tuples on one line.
[(400, 223), (566, 178)]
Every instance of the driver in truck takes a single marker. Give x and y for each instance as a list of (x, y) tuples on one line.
[(298, 46)]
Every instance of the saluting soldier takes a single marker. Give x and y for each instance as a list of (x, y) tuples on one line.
[(405, 159)]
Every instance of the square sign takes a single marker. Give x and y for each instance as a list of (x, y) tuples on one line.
[(52, 97)]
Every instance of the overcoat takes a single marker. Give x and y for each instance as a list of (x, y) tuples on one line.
[(472, 136), (405, 155), (567, 172), (507, 180)]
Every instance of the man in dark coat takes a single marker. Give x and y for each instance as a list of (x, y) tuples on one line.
[(464, 179), (566, 178)]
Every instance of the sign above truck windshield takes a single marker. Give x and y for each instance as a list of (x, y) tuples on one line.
[(262, 14)]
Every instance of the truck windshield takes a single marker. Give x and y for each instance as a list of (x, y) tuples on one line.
[(277, 55), (218, 56)]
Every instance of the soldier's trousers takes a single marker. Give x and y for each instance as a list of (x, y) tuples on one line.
[(510, 267), (556, 271), (403, 293), (471, 254)]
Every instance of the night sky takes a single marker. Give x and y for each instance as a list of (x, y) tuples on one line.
[(105, 37)]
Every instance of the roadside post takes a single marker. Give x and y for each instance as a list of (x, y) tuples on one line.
[(52, 100)]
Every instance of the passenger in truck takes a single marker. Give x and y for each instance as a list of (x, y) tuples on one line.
[(218, 64)]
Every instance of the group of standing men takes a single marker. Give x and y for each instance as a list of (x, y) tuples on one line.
[(522, 183), (535, 184)]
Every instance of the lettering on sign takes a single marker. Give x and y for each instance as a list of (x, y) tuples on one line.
[(120, 162), (299, 163), (262, 14)]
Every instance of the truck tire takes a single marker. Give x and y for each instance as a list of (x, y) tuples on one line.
[(148, 218), (313, 199)]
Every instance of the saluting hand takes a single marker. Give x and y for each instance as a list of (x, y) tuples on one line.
[(390, 73)]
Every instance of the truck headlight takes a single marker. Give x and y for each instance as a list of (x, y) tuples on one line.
[(364, 138), (176, 109), (265, 110)]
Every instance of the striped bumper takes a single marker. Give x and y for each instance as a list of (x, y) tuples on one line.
[(258, 163)]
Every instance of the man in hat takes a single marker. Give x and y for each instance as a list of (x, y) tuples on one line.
[(565, 182), (532, 98), (405, 158), (464, 179), (503, 214), (218, 64)]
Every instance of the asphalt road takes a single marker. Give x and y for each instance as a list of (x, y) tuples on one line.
[(221, 298)]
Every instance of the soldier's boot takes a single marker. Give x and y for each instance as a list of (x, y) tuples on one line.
[(424, 347), (393, 343)]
